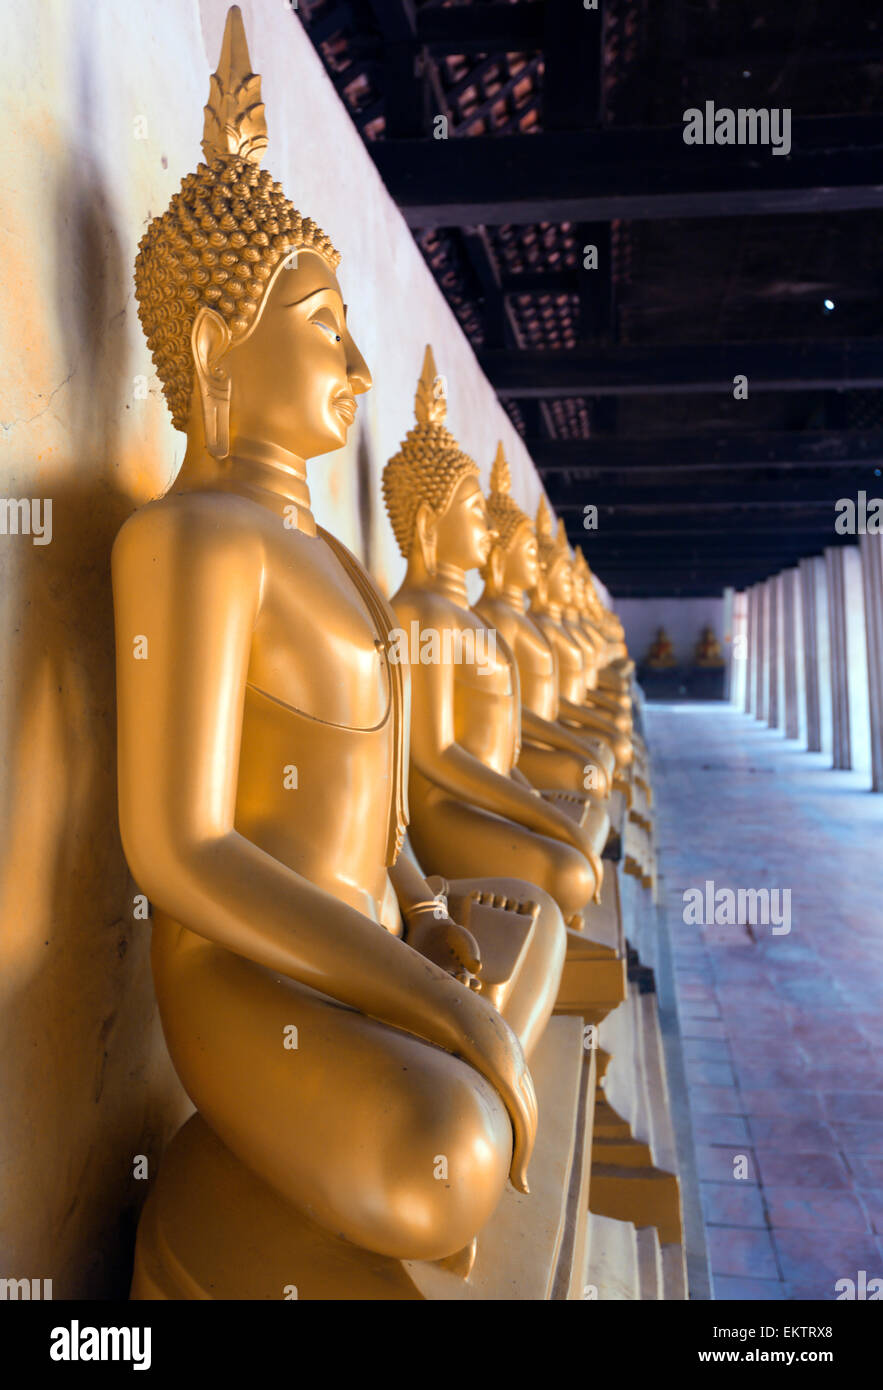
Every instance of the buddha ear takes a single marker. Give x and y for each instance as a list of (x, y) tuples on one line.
[(496, 566), (209, 340), (426, 535)]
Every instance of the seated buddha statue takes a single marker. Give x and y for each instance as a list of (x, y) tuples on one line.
[(551, 595), (263, 756), (552, 754), (616, 703), (616, 674), (615, 668), (708, 650), (661, 655), (470, 805)]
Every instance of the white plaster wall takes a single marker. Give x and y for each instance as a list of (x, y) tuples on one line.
[(84, 1078), (682, 618)]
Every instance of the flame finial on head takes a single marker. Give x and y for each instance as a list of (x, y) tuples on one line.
[(501, 473), (552, 546), (503, 511), (430, 402), (234, 116), (545, 522)]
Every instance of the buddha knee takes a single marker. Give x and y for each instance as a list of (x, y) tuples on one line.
[(456, 1139), (623, 752), (575, 882)]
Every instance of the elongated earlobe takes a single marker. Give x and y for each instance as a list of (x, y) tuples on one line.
[(496, 567), (427, 533), (209, 340)]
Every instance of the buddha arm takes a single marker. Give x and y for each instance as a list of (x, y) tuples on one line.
[(534, 726), (190, 580), (585, 715), (436, 753), (518, 776)]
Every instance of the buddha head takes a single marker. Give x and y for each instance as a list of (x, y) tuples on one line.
[(555, 584), (513, 562), (580, 572), (431, 489), (238, 293)]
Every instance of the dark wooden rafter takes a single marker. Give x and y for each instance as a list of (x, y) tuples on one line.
[(406, 105), (500, 326), (682, 368), (698, 453), (770, 491), (572, 45), (495, 28), (835, 163)]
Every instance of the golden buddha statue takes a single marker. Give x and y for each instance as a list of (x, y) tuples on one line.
[(263, 754), (615, 703), (471, 808), (615, 675), (661, 656), (551, 595), (616, 668), (552, 754), (708, 650)]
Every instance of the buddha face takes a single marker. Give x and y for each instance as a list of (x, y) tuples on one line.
[(521, 569), (560, 583), (295, 378), (463, 537)]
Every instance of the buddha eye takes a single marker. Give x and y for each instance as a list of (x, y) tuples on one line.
[(325, 320)]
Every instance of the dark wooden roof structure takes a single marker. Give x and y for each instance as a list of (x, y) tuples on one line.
[(564, 130)]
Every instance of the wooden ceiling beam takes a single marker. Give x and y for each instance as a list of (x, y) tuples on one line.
[(834, 164), (698, 453), (686, 369)]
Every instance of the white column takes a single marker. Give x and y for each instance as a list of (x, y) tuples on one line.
[(729, 595), (772, 663), (800, 657), (780, 651), (791, 653), (751, 662), (739, 650), (808, 586), (761, 700), (857, 663), (817, 650), (871, 548), (839, 656)]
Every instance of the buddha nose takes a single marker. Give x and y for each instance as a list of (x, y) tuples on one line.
[(357, 371)]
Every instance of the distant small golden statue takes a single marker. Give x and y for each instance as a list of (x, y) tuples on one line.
[(708, 650), (661, 656)]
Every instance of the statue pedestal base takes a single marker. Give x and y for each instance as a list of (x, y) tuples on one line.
[(594, 978), (212, 1230)]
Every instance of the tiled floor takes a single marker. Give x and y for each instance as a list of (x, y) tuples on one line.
[(783, 1033)]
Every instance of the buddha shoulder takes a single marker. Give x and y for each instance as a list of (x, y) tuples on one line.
[(431, 609), (498, 614), (182, 534)]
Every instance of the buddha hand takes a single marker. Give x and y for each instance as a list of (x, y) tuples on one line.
[(431, 930)]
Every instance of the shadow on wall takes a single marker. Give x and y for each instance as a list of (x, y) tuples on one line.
[(365, 488), (88, 1085)]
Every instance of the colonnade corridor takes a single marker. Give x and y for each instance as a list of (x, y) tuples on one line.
[(781, 1028)]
